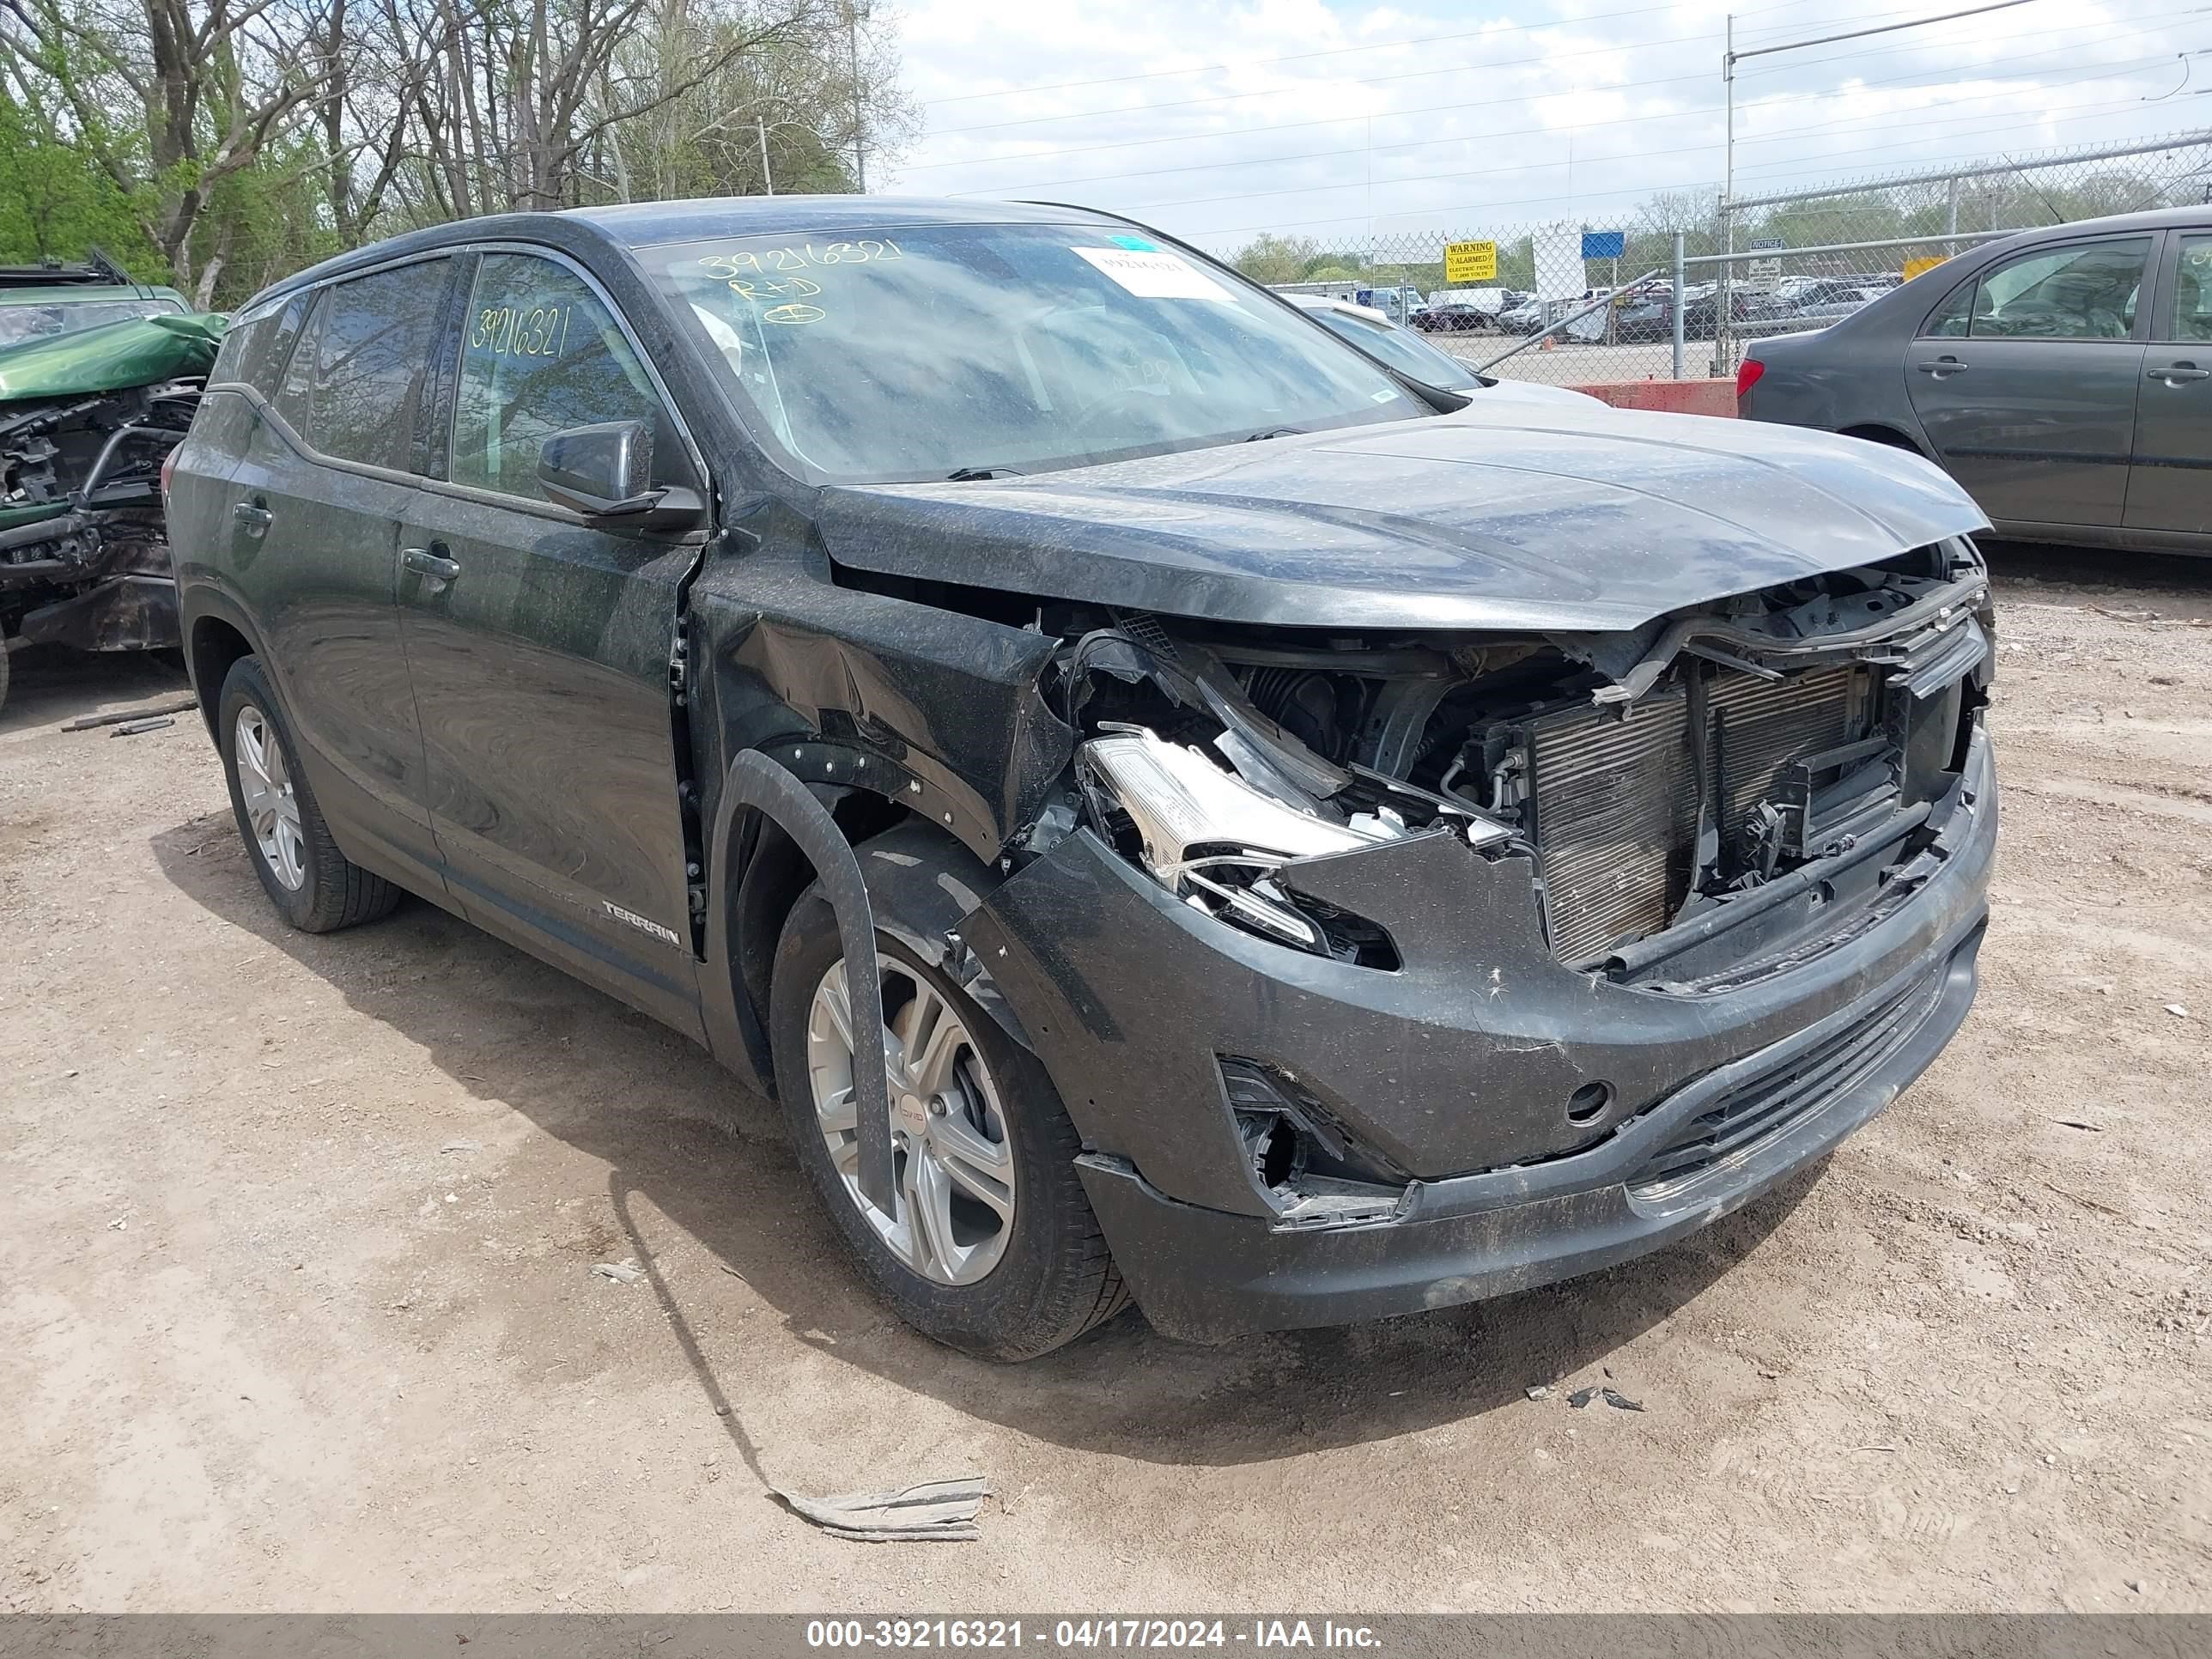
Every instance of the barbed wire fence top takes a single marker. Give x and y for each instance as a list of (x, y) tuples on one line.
[(1761, 264)]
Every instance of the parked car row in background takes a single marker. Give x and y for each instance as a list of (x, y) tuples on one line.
[(1642, 312)]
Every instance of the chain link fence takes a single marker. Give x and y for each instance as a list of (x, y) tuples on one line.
[(1575, 305)]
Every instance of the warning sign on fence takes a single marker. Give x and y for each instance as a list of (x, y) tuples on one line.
[(1466, 263)]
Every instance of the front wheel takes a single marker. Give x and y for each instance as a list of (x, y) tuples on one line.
[(989, 1245), (315, 887)]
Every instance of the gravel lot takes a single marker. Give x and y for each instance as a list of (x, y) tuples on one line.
[(299, 1313)]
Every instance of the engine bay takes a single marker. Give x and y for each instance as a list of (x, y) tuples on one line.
[(1649, 776)]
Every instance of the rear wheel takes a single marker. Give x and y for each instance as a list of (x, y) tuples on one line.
[(989, 1245), (315, 886)]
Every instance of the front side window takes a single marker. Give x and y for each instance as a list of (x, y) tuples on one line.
[(923, 352), (376, 336), (2192, 291), (540, 353), (2086, 292)]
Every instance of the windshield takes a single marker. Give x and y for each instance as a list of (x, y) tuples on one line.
[(1409, 354), (980, 349), (39, 322)]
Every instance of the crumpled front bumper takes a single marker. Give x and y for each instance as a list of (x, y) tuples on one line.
[(1459, 1070)]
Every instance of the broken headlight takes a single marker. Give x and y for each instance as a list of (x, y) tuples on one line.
[(1216, 842)]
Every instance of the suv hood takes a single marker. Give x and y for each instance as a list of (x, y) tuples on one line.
[(1520, 516)]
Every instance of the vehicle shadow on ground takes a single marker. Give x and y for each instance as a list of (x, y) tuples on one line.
[(2166, 586), (48, 684), (702, 1151)]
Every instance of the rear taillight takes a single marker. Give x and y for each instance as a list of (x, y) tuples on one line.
[(1746, 375), (168, 472)]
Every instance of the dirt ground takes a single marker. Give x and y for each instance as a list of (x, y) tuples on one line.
[(297, 1309)]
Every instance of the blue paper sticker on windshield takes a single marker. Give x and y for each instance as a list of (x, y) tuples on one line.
[(1141, 244)]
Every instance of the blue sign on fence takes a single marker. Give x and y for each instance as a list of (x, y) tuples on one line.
[(1604, 244)]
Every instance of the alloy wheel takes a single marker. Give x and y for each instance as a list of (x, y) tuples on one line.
[(264, 783), (953, 1198)]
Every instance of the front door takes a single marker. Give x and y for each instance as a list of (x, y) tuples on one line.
[(2024, 380), (326, 474), (2171, 485), (540, 646)]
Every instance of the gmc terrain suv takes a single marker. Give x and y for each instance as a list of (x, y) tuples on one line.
[(1173, 808)]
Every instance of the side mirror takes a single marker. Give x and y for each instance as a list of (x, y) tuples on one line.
[(605, 472)]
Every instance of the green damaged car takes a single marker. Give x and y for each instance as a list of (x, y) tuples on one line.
[(99, 377)]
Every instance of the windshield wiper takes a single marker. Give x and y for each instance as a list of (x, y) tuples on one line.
[(978, 474), (1273, 432)]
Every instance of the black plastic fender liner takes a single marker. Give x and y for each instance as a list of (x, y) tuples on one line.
[(924, 884), (758, 782)]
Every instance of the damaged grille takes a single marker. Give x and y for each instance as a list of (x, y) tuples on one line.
[(1753, 1113), (1615, 798)]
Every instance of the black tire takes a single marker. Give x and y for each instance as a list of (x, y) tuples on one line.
[(4, 655), (1056, 1279), (334, 892)]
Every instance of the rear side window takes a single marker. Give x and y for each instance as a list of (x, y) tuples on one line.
[(1948, 320), (374, 339), (2086, 292), (257, 345), (296, 390), (541, 353)]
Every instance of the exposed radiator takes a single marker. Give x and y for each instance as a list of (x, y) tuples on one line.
[(1615, 796)]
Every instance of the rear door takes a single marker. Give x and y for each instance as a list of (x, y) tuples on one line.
[(540, 645), (2170, 486), (2025, 379), (328, 473)]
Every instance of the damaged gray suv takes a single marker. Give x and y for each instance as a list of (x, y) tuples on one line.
[(1172, 808)]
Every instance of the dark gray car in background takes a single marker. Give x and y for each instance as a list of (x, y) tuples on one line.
[(2063, 376)]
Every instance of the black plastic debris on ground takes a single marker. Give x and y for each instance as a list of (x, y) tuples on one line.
[(1613, 1397)]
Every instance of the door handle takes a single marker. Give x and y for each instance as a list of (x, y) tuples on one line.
[(431, 563), (1943, 368), (254, 517), (2175, 373)]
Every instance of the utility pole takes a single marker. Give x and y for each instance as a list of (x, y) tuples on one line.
[(768, 178), (853, 52), (1729, 58), (1723, 290)]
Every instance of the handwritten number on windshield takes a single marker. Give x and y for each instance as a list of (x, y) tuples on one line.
[(751, 262)]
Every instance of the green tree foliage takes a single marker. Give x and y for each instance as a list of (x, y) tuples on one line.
[(52, 206), (218, 144), (1271, 258)]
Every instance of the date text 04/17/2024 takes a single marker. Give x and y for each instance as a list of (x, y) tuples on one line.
[(1090, 1634)]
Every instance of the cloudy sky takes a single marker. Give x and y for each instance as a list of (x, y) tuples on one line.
[(1217, 119)]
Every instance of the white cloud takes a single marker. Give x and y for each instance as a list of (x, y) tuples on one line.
[(1214, 119)]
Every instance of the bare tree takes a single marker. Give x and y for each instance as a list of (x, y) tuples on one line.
[(169, 98)]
